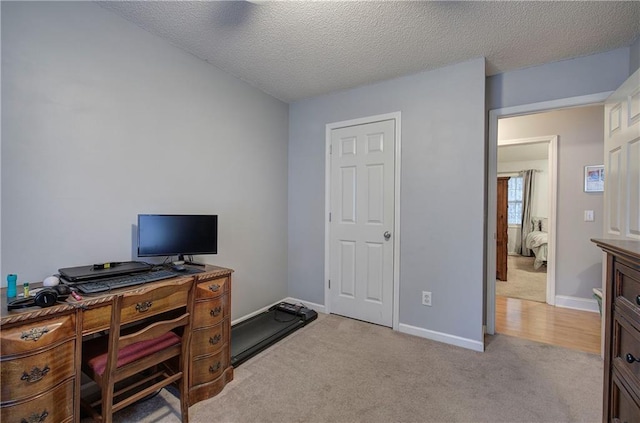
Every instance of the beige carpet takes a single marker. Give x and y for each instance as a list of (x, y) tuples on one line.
[(523, 281), (342, 370)]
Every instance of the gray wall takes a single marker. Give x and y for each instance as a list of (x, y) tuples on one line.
[(102, 120), (568, 78), (580, 143), (634, 56), (442, 193)]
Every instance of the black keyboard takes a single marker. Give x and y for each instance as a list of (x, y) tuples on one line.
[(108, 284)]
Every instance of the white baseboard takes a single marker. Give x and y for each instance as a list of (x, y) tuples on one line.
[(317, 307), (442, 337), (577, 303), (411, 330), (250, 315), (561, 301), (408, 329)]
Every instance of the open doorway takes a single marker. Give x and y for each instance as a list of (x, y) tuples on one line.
[(529, 182), (579, 143)]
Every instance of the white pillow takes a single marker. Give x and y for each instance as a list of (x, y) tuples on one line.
[(544, 224), (535, 224)]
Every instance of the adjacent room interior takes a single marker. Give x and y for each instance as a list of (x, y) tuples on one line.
[(522, 305)]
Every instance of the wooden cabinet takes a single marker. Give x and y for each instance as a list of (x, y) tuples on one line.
[(38, 369), (621, 310), (502, 227), (210, 341)]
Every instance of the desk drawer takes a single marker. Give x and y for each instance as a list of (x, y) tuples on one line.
[(96, 319), (36, 336), (26, 376), (626, 349), (627, 290), (623, 408), (208, 340), (158, 305), (212, 288), (209, 368), (209, 313), (54, 406)]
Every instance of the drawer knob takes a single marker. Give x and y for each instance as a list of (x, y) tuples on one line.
[(214, 288), (35, 375), (215, 368), (215, 339), (638, 300), (36, 418), (631, 359), (34, 334), (216, 311), (143, 306)]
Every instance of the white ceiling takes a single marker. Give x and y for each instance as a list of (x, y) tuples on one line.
[(298, 49)]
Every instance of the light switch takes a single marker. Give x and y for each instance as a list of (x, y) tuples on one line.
[(588, 215)]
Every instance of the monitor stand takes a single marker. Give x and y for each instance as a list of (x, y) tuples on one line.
[(192, 263)]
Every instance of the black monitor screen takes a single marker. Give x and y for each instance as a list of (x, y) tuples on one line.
[(172, 234)]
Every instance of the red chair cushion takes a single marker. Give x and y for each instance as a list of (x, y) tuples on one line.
[(95, 353)]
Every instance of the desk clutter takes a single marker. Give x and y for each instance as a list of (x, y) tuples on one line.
[(42, 349), (41, 297), (103, 277)]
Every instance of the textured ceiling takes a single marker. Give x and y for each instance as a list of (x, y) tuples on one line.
[(298, 49)]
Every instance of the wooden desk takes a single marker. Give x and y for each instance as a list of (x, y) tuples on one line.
[(40, 349)]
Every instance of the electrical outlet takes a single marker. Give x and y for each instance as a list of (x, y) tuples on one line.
[(426, 298)]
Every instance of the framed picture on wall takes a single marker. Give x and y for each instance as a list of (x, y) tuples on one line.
[(594, 178)]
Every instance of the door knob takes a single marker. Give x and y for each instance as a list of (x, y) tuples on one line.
[(387, 235), (631, 359)]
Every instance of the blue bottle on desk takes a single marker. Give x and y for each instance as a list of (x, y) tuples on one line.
[(11, 285)]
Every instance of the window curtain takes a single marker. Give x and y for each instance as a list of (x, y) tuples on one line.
[(527, 199)]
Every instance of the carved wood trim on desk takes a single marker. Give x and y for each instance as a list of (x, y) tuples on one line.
[(28, 336)]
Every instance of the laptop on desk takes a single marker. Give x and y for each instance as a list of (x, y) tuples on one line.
[(91, 272)]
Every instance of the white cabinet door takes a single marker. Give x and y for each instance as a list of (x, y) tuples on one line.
[(622, 161)]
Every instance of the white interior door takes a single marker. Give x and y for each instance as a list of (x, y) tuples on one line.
[(622, 161), (361, 239), (621, 169)]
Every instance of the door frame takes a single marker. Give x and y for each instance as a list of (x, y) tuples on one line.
[(552, 165), (396, 207), (492, 174)]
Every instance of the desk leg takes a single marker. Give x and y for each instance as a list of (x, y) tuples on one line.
[(78, 378)]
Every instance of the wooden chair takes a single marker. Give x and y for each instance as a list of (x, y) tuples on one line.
[(146, 349)]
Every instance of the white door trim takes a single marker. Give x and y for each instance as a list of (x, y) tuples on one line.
[(492, 195), (327, 204)]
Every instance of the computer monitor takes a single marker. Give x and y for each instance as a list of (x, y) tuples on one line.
[(177, 234)]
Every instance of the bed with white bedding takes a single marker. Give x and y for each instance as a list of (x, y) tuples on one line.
[(537, 241)]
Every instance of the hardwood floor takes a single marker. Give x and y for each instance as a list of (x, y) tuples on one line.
[(541, 322)]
